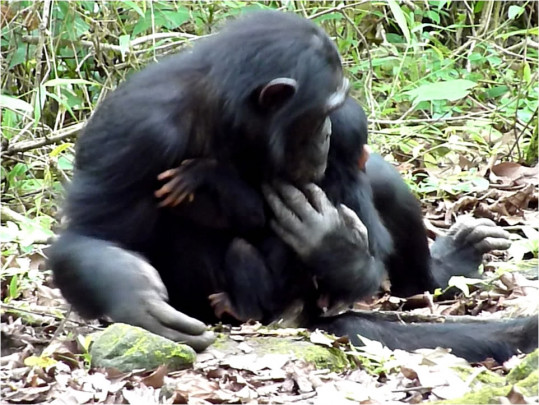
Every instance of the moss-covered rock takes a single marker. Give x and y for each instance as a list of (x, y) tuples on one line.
[(127, 348), (486, 395), (320, 356), (491, 395), (524, 369), (529, 385), (525, 377), (485, 377)]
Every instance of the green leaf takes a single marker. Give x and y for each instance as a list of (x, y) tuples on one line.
[(64, 163), (461, 283), (142, 25), (437, 292), (497, 91), (60, 148), (162, 17), (330, 16), (15, 104), (526, 73), (125, 41), (175, 18), (401, 19), (134, 6), (14, 286), (449, 90), (439, 4), (514, 12), (19, 56), (476, 57), (9, 123), (85, 341), (39, 361), (393, 38), (63, 102), (81, 27), (40, 103), (19, 170), (494, 61), (88, 5), (479, 7), (433, 15), (526, 32)]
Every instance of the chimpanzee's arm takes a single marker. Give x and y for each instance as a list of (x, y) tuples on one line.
[(112, 213), (412, 268), (331, 241), (99, 277)]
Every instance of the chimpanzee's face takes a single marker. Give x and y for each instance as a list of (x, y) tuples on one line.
[(308, 140)]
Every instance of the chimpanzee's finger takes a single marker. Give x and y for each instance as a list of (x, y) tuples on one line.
[(318, 198), (283, 215), (173, 319), (296, 201)]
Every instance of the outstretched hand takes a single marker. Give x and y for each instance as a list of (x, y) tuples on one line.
[(461, 251), (483, 235)]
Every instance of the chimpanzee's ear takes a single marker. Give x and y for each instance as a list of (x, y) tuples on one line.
[(276, 93)]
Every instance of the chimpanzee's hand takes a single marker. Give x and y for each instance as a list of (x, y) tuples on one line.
[(332, 242), (183, 181), (221, 197), (482, 235), (461, 251), (308, 221), (140, 299)]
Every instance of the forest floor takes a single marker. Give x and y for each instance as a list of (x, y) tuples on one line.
[(45, 356)]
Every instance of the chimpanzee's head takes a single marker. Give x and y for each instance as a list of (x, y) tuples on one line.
[(349, 144), (279, 77)]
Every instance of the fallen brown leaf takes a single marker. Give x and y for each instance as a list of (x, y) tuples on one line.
[(157, 378)]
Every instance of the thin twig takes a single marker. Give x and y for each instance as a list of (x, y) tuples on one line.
[(40, 41), (116, 48), (340, 7), (8, 307), (62, 325), (532, 119), (427, 120), (368, 81), (504, 50), (26, 146), (420, 388)]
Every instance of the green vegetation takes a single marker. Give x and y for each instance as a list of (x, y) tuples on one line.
[(449, 86)]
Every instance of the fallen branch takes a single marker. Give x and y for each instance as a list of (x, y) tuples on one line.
[(29, 145)]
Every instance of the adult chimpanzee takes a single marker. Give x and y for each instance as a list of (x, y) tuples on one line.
[(262, 284), (262, 110), (229, 203)]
